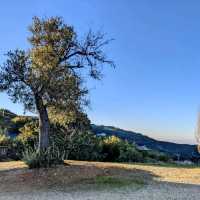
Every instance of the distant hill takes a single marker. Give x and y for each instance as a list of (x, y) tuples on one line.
[(11, 123), (182, 151), (6, 120), (6, 115)]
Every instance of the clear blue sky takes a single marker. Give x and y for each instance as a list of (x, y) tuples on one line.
[(155, 88)]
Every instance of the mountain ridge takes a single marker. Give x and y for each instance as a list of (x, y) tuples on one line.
[(144, 134), (176, 150), (181, 151)]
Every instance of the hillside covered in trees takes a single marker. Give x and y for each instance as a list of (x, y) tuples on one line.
[(11, 124)]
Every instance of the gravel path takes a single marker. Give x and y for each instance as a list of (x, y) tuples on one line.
[(162, 191)]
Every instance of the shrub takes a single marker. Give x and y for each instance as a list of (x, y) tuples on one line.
[(42, 159), (27, 139), (111, 148), (85, 146), (115, 149), (8, 142), (164, 157), (29, 134), (77, 145), (60, 140), (154, 156), (129, 153), (5, 140)]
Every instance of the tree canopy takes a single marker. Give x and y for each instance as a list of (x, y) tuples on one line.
[(48, 76)]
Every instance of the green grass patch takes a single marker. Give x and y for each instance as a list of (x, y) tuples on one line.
[(103, 182)]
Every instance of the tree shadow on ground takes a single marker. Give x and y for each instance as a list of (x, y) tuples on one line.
[(82, 175)]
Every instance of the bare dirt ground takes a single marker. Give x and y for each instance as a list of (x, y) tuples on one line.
[(80, 181)]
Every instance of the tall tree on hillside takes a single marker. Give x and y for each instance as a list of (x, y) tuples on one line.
[(48, 75)]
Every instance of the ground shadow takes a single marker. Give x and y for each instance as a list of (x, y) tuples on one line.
[(79, 175)]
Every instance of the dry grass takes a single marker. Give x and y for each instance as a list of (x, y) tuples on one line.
[(12, 165), (174, 174), (80, 180), (15, 176), (81, 174)]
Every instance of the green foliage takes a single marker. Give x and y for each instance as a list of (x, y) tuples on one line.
[(72, 140), (50, 74), (129, 153), (20, 121), (5, 120), (116, 149), (60, 137), (44, 158), (4, 113), (154, 156), (72, 119), (29, 134), (77, 145), (85, 146), (27, 139), (111, 148), (164, 158), (116, 182), (5, 140)]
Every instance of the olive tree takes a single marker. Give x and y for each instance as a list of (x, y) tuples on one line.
[(49, 75)]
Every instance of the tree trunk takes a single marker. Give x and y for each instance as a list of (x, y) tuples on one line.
[(44, 126)]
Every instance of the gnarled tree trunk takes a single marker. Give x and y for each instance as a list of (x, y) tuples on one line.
[(44, 125)]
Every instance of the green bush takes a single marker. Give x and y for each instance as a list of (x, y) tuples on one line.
[(115, 149), (129, 153), (164, 158), (42, 159), (111, 148), (27, 139), (78, 146), (85, 146), (29, 134), (5, 140), (154, 156), (19, 122)]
